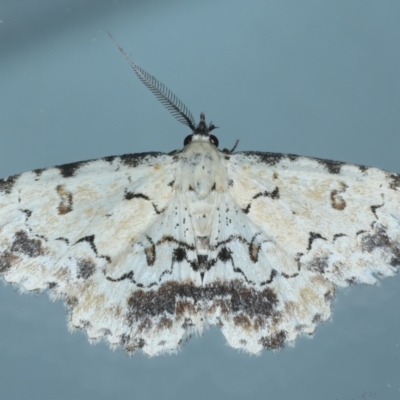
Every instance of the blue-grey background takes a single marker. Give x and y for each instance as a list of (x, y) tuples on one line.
[(318, 78)]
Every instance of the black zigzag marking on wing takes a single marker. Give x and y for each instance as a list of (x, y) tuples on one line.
[(287, 276), (274, 195), (313, 236), (375, 207), (251, 245), (90, 240), (179, 254), (271, 278), (63, 239), (130, 275), (338, 235), (224, 255), (132, 195)]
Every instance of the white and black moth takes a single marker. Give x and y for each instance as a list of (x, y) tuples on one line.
[(147, 249)]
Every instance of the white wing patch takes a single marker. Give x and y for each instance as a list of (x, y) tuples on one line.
[(147, 249)]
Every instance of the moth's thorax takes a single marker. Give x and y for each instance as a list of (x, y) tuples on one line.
[(201, 169), (201, 178)]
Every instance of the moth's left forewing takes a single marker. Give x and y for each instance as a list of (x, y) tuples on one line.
[(310, 204), (324, 223)]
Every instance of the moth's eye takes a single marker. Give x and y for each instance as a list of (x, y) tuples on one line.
[(214, 140), (188, 139)]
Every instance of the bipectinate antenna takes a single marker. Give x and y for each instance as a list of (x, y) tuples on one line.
[(163, 94)]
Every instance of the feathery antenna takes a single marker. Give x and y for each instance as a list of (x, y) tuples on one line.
[(163, 94)]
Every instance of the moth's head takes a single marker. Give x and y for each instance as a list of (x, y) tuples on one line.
[(202, 133)]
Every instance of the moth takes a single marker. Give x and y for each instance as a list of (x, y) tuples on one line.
[(148, 249)]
